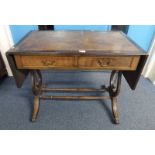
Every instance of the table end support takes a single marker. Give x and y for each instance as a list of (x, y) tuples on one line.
[(37, 91), (114, 90)]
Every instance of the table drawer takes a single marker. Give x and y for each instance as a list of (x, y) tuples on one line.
[(77, 62), (109, 62), (44, 62)]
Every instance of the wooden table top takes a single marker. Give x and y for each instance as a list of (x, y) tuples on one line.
[(92, 42)]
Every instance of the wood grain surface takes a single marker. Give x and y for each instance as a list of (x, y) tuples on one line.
[(96, 42)]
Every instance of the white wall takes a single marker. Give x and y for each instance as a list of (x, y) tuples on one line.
[(5, 43), (149, 70)]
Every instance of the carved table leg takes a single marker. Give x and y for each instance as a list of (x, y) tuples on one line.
[(35, 108), (36, 89), (114, 89), (115, 109)]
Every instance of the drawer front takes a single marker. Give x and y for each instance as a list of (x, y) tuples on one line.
[(77, 62), (112, 62), (44, 62)]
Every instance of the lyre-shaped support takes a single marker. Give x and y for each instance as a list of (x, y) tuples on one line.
[(114, 90), (36, 89)]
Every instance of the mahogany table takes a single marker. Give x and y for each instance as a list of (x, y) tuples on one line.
[(77, 50)]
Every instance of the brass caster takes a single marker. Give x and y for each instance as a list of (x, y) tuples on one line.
[(116, 121), (33, 120)]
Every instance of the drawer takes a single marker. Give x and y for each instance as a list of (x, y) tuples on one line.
[(44, 62), (109, 62), (77, 62)]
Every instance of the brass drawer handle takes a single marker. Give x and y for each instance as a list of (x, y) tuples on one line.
[(48, 62), (103, 62)]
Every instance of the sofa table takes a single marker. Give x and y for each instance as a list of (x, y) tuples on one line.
[(77, 50)]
